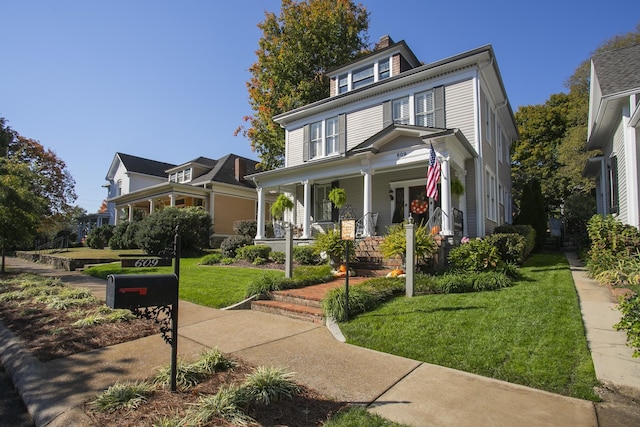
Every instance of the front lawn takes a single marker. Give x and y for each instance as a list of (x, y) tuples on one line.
[(211, 286), (529, 334)]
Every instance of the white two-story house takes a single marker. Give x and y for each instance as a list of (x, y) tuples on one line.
[(373, 137), (614, 129)]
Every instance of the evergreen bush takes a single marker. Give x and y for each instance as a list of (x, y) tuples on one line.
[(98, 238)]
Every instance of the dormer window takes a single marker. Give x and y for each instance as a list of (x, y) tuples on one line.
[(343, 83), (181, 176), (384, 69), (363, 76)]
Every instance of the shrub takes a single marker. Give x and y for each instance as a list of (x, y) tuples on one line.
[(98, 238), (265, 385), (611, 241), (210, 259), (511, 246), (306, 255), (124, 235), (251, 252), (395, 242), (278, 257), (123, 395), (157, 231), (331, 244), (269, 282), (246, 227), (475, 256), (462, 282), (630, 322), (363, 297), (231, 244), (525, 231)]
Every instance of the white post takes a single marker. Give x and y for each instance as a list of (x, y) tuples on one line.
[(410, 256), (260, 216), (306, 231), (130, 213), (447, 218), (150, 206), (366, 208)]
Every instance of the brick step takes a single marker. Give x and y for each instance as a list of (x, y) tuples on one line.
[(292, 298), (295, 311)]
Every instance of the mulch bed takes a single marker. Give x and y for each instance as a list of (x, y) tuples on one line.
[(50, 334)]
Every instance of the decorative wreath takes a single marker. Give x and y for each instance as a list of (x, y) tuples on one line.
[(419, 206)]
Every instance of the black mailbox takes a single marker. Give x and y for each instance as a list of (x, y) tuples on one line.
[(141, 290)]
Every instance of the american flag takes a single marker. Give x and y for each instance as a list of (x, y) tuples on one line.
[(433, 175)]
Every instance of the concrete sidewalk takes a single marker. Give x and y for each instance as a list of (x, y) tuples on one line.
[(399, 389)]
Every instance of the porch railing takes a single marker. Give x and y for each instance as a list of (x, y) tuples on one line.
[(366, 225), (59, 243), (435, 219)]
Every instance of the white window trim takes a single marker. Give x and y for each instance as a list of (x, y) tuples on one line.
[(490, 195), (322, 143), (431, 113)]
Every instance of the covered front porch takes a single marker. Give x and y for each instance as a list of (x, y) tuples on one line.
[(384, 179), (138, 204)]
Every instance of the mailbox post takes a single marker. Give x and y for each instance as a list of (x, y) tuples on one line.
[(150, 296)]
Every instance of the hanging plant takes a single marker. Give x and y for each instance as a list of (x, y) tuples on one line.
[(281, 204), (338, 197), (457, 188)]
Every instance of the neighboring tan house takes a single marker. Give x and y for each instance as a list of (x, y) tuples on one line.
[(373, 136), (614, 113), (138, 187)]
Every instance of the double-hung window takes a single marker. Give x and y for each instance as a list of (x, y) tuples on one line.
[(322, 205), (362, 77), (490, 193), (425, 109), (331, 136), (384, 69), (315, 146), (343, 83), (400, 109)]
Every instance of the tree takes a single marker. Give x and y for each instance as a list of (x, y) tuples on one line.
[(20, 207), (37, 189), (552, 145), (295, 51)]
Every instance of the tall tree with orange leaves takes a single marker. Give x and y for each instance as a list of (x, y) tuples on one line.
[(297, 47)]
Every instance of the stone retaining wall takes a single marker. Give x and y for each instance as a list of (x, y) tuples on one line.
[(61, 263)]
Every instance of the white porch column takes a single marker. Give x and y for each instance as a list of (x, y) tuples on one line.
[(306, 224), (445, 185), (150, 206), (130, 213), (260, 218), (366, 207), (172, 200)]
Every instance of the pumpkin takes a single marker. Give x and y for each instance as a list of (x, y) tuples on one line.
[(435, 230), (343, 268)]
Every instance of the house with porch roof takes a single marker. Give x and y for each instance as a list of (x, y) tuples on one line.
[(614, 116), (373, 136), (138, 186)]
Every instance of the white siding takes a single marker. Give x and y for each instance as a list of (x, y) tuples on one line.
[(295, 147), (362, 124), (459, 108)]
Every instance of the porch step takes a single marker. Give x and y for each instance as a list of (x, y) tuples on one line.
[(294, 299), (295, 311)]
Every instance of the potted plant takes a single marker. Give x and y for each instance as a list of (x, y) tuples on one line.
[(457, 189), (395, 243), (281, 204), (331, 245), (338, 197)]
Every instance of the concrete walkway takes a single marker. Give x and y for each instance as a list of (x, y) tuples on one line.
[(400, 389)]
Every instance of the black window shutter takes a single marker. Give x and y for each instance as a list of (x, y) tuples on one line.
[(387, 117), (438, 99), (305, 144)]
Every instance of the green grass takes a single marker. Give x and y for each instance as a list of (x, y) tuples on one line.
[(211, 286), (530, 334)]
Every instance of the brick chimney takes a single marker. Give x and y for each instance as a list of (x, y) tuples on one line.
[(385, 41), (240, 169)]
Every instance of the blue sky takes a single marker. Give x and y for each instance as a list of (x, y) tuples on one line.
[(166, 79)]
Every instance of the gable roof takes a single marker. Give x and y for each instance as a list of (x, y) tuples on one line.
[(617, 70), (224, 171), (144, 166)]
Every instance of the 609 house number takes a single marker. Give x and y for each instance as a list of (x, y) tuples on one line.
[(401, 154)]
